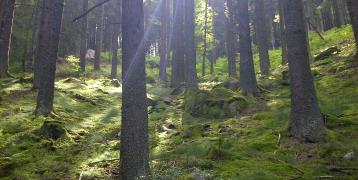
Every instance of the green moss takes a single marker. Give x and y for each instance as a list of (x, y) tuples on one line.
[(217, 103)]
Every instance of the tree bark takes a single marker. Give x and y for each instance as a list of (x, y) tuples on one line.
[(191, 77), (338, 14), (353, 13), (205, 40), (178, 65), (247, 72), (83, 49), (7, 10), (283, 32), (306, 119), (262, 36), (134, 130), (49, 38), (116, 34), (99, 37), (231, 39), (164, 40)]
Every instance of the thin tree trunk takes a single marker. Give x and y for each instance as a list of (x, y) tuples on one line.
[(247, 72), (205, 39), (47, 55), (134, 152), (116, 34), (191, 77), (164, 41), (262, 36), (178, 65), (99, 37), (83, 49), (338, 14), (7, 10), (283, 32), (306, 119), (353, 12), (231, 39)]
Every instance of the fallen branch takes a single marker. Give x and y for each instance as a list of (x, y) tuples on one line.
[(323, 177), (315, 28), (105, 160), (343, 169), (90, 10), (279, 139), (294, 178)]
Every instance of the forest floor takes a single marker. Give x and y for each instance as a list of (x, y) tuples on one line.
[(252, 144)]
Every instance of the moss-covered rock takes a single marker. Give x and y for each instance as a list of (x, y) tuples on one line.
[(53, 130), (218, 103)]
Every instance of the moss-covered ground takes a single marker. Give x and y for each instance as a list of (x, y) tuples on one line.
[(254, 143)]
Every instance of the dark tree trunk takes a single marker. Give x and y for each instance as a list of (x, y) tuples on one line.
[(99, 37), (338, 14), (134, 130), (116, 34), (191, 77), (353, 12), (231, 39), (83, 48), (283, 32), (262, 36), (306, 119), (205, 40), (164, 41), (35, 46), (7, 10), (247, 72), (178, 65), (49, 38)]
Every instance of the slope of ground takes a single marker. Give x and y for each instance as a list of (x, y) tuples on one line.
[(253, 144)]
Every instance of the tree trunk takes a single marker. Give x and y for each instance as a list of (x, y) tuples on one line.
[(99, 37), (338, 14), (134, 130), (191, 77), (231, 39), (49, 38), (283, 32), (178, 65), (205, 40), (353, 13), (164, 41), (116, 34), (262, 36), (247, 72), (306, 119), (7, 10), (83, 49)]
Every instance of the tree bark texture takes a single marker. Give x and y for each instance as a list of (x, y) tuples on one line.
[(247, 72), (49, 38), (231, 44), (7, 10), (262, 36), (83, 48), (115, 43), (306, 119), (178, 65), (191, 77), (99, 37), (134, 130)]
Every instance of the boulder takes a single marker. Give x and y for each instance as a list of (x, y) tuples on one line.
[(349, 156), (230, 84), (218, 103)]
